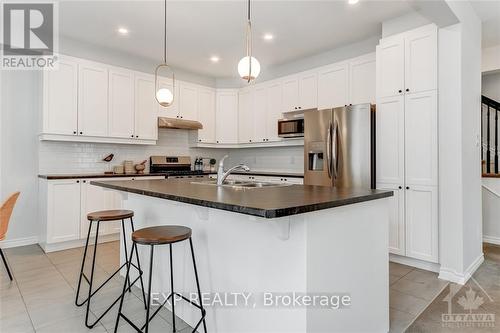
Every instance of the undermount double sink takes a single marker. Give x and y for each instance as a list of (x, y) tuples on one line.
[(240, 184)]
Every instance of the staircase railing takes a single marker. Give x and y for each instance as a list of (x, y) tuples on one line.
[(489, 143)]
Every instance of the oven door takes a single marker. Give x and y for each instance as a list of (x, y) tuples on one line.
[(289, 128)]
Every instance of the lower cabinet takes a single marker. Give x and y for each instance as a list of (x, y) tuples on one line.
[(413, 221), (64, 205)]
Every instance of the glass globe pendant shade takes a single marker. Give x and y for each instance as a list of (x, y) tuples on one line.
[(164, 97), (246, 71)]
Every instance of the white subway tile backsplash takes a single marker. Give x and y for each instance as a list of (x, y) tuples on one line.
[(73, 157)]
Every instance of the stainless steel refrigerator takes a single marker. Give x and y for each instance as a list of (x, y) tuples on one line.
[(339, 147)]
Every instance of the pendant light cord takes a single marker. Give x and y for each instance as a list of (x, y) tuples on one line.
[(249, 44), (165, 34)]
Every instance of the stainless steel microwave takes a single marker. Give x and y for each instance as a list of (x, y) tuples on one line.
[(291, 128)]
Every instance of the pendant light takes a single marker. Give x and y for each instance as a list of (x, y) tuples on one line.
[(249, 67), (163, 95)]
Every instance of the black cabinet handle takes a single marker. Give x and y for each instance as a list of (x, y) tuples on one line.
[(407, 89), (400, 187), (137, 136), (300, 107), (74, 132), (132, 136), (81, 132), (217, 141), (84, 181), (199, 140), (249, 140), (400, 91), (407, 187), (77, 181)]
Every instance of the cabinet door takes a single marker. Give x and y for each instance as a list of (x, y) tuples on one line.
[(246, 116), (274, 108), (121, 104), (308, 91), (290, 94), (60, 91), (362, 80), (422, 223), (226, 117), (421, 141), (171, 111), (421, 60), (390, 148), (63, 211), (92, 99), (206, 115), (390, 67), (146, 108), (188, 101), (333, 86), (396, 218), (260, 114)]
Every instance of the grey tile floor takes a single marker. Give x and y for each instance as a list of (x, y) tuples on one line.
[(41, 298)]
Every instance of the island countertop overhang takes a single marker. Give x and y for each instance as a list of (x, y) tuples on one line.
[(271, 202)]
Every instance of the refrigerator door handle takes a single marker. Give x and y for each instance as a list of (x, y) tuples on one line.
[(335, 150), (329, 150)]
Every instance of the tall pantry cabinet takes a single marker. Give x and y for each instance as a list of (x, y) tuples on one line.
[(407, 139)]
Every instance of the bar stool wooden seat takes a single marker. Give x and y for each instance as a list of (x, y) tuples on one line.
[(161, 235), (97, 218)]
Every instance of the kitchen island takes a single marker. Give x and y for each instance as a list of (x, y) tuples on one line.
[(272, 259)]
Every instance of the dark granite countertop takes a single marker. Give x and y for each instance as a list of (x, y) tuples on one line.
[(267, 202)]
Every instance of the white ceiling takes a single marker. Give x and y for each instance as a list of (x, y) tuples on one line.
[(199, 29), (489, 12)]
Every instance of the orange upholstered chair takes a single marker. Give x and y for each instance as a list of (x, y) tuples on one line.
[(5, 213)]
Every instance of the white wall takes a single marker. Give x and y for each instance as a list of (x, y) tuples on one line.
[(491, 86), (403, 23), (19, 149), (491, 210), (491, 59)]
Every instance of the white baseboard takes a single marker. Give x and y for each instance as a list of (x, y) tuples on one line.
[(491, 240), (5, 244), (461, 278), (425, 265), (76, 243)]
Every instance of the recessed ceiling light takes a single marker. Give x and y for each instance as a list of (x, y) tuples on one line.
[(353, 2), (123, 31), (268, 37), (214, 59)]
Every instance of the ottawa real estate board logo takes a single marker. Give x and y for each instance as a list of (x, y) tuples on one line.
[(29, 36)]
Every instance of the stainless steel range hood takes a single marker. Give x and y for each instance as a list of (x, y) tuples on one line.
[(164, 122)]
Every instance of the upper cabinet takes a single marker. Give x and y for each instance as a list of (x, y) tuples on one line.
[(188, 101), (362, 80), (146, 108), (246, 115), (226, 116), (274, 107), (290, 93), (333, 86), (407, 63), (92, 99), (206, 115), (300, 92), (121, 104), (60, 98)]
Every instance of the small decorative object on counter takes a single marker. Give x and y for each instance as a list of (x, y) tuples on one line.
[(140, 167), (213, 162), (118, 169), (108, 159), (129, 167)]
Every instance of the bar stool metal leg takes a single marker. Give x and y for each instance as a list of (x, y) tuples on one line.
[(122, 296), (6, 264), (149, 288), (138, 264), (126, 253), (203, 311), (172, 288), (92, 278), (83, 266)]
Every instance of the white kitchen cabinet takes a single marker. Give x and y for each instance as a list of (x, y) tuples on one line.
[(407, 62), (308, 91), (421, 207), (421, 59), (171, 111), (421, 138), (259, 112), (362, 80), (274, 109), (146, 108), (188, 101), (226, 116), (60, 101), (121, 103), (246, 115), (92, 99), (290, 93), (63, 211), (333, 86), (396, 218), (206, 115), (390, 129)]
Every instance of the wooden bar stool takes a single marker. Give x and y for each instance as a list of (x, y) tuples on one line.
[(5, 214), (107, 216), (161, 235)]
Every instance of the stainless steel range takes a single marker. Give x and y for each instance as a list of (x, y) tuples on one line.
[(173, 167)]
